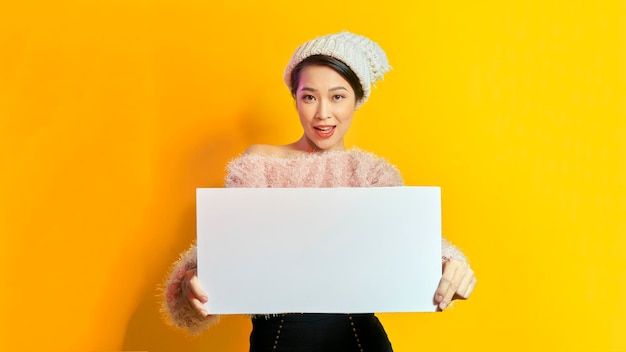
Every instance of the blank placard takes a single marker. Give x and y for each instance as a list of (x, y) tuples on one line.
[(322, 250)]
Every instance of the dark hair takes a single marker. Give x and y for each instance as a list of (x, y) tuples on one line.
[(324, 60)]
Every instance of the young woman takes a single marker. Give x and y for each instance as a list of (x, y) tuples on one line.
[(330, 77)]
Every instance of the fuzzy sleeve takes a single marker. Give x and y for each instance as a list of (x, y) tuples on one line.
[(176, 309), (248, 170), (450, 251), (385, 174)]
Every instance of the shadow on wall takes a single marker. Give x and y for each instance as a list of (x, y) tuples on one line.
[(169, 230), (147, 332)]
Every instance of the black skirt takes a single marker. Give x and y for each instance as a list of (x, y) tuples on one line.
[(318, 333)]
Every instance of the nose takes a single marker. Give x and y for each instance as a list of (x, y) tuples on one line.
[(323, 110)]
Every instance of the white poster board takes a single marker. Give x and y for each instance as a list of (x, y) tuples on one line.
[(319, 250)]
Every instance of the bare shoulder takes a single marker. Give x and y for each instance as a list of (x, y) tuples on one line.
[(267, 149)]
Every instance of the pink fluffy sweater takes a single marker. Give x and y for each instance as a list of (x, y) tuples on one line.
[(350, 168)]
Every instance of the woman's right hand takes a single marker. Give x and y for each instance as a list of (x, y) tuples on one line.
[(195, 295)]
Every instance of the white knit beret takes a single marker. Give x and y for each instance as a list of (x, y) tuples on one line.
[(363, 56)]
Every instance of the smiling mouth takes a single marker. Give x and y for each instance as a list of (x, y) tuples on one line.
[(324, 131)]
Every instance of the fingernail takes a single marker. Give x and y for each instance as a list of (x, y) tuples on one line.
[(205, 313), (443, 305), (439, 298)]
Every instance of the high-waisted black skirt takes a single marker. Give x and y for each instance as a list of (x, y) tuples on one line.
[(318, 333)]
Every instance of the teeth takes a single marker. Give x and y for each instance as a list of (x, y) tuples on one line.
[(325, 129)]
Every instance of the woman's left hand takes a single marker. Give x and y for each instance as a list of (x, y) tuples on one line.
[(457, 281)]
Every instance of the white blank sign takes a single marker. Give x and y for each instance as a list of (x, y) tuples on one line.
[(319, 250)]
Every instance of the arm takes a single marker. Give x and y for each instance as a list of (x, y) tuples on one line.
[(448, 251), (182, 299), (457, 280), (247, 170), (385, 174)]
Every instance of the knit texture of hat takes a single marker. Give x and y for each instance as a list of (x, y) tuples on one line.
[(363, 56)]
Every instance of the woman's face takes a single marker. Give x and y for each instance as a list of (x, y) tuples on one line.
[(326, 104)]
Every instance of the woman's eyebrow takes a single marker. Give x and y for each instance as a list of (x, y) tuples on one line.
[(309, 89)]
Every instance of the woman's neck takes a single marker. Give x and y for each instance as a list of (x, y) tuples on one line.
[(307, 146)]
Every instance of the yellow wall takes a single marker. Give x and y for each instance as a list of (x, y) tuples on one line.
[(113, 112)]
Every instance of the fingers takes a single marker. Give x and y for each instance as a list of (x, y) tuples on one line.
[(445, 285), (196, 304), (194, 287), (470, 288), (448, 285), (458, 278), (195, 295), (468, 281)]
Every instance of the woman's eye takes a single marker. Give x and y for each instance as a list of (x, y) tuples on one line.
[(308, 97), (338, 97)]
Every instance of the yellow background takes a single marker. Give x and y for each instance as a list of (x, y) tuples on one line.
[(113, 112)]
